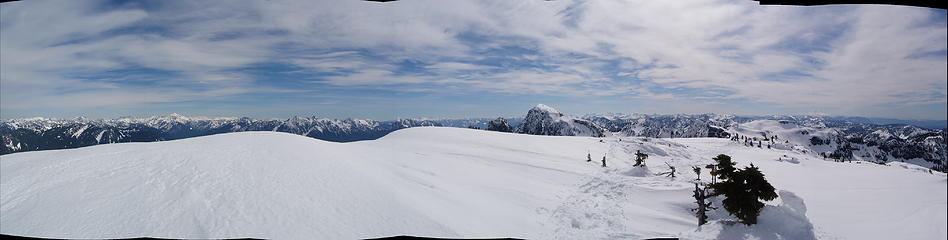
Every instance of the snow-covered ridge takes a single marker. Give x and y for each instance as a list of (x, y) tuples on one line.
[(33, 134), (445, 182), (837, 138), (813, 134), (547, 109)]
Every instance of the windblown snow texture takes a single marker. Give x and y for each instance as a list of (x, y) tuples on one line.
[(447, 182)]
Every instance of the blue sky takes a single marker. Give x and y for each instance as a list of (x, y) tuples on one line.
[(455, 59)]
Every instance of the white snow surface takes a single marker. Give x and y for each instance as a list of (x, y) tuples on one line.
[(446, 182), (545, 108)]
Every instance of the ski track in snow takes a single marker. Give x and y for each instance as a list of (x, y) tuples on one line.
[(600, 209)]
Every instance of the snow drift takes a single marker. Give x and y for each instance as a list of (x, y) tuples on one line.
[(784, 221)]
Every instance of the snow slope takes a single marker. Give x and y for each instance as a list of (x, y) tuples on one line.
[(444, 182), (858, 200)]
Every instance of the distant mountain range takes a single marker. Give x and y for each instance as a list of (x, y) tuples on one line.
[(930, 124), (32, 134), (844, 138)]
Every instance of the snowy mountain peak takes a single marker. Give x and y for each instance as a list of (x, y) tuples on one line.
[(177, 117), (544, 108), (544, 120)]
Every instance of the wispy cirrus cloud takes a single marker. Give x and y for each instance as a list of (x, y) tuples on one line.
[(148, 56)]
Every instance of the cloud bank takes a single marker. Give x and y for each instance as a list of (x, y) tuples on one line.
[(354, 58)]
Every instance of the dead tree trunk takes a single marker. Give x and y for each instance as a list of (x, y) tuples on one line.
[(701, 197), (671, 171), (703, 206)]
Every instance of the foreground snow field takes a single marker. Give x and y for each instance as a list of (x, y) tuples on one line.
[(445, 182)]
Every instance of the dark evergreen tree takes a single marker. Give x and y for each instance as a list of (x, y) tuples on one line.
[(742, 189), (722, 169), (746, 205)]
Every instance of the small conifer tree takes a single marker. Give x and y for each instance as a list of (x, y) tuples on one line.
[(742, 189), (639, 158)]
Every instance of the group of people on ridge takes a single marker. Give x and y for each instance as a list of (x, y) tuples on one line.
[(639, 158), (589, 159)]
